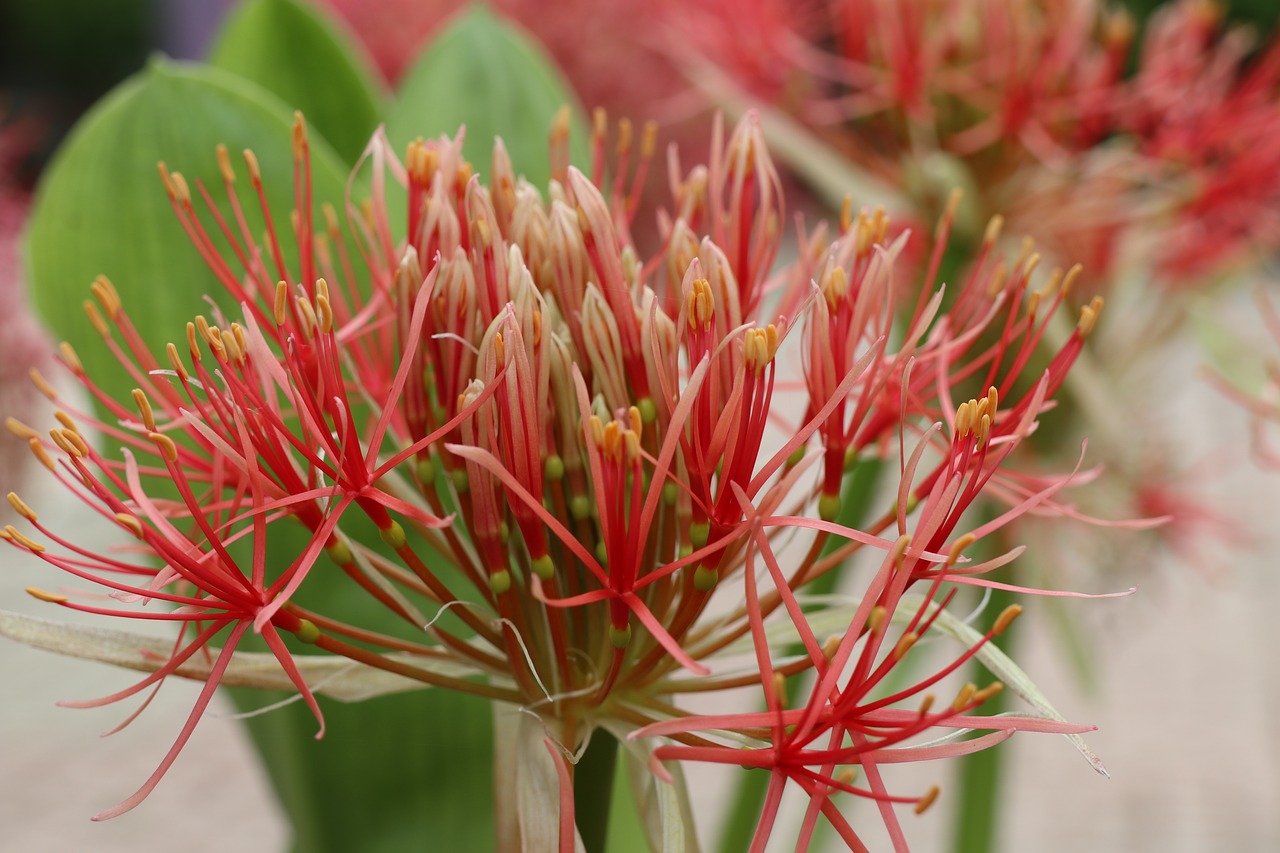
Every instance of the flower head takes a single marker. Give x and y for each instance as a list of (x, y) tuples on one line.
[(569, 446)]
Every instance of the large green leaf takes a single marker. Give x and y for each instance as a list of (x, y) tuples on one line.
[(101, 208), (290, 49), (395, 773), (484, 73)]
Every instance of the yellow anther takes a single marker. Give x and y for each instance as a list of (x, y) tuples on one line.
[(999, 276), (95, 318), (70, 358), (1089, 316), (925, 704), (830, 646), (19, 429), (637, 423), (251, 163), (560, 124), (192, 346), (597, 431), (927, 800), (237, 332), (66, 421), (846, 214), (20, 507), (281, 306), (107, 295), (38, 451), (780, 688), (631, 442), (322, 288), (13, 535), (1033, 303), (499, 348), (224, 164), (231, 342), (38, 380), (625, 132), (324, 313), (175, 361), (758, 348), (702, 305), (953, 203), (649, 139), (330, 220), (964, 421), (1006, 617), (181, 191), (987, 692), (166, 446), (144, 408), (599, 122), (905, 642), (992, 233), (847, 776), (877, 618), (1070, 279), (50, 597), (1033, 261), (835, 286), (60, 439), (537, 328), (130, 523), (299, 135), (900, 548), (964, 697), (306, 316), (166, 180), (957, 548)]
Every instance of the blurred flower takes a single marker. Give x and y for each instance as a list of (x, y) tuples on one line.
[(22, 343), (562, 443), (1029, 104)]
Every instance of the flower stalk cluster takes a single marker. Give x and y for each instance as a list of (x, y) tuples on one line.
[(571, 448)]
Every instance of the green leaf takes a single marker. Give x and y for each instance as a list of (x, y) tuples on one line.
[(101, 208), (495, 79), (664, 807), (294, 51)]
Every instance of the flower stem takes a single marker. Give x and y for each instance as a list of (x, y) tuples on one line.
[(593, 779), (979, 776)]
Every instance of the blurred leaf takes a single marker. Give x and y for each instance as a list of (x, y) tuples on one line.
[(483, 72), (102, 209), (664, 807), (293, 51)]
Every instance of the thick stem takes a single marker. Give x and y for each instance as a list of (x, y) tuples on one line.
[(593, 779)]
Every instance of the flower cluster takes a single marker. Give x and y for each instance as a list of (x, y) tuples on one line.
[(1033, 102), (572, 449)]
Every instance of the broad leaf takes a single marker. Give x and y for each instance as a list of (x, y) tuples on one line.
[(101, 208), (291, 49), (484, 73)]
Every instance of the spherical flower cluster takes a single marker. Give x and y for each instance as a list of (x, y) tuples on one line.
[(499, 410)]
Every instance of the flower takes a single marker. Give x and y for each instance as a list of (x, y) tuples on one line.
[(562, 442)]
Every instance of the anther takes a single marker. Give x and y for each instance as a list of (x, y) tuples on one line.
[(224, 164), (144, 408), (21, 508), (927, 800)]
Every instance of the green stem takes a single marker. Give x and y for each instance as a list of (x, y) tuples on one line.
[(855, 502), (593, 782), (979, 776)]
